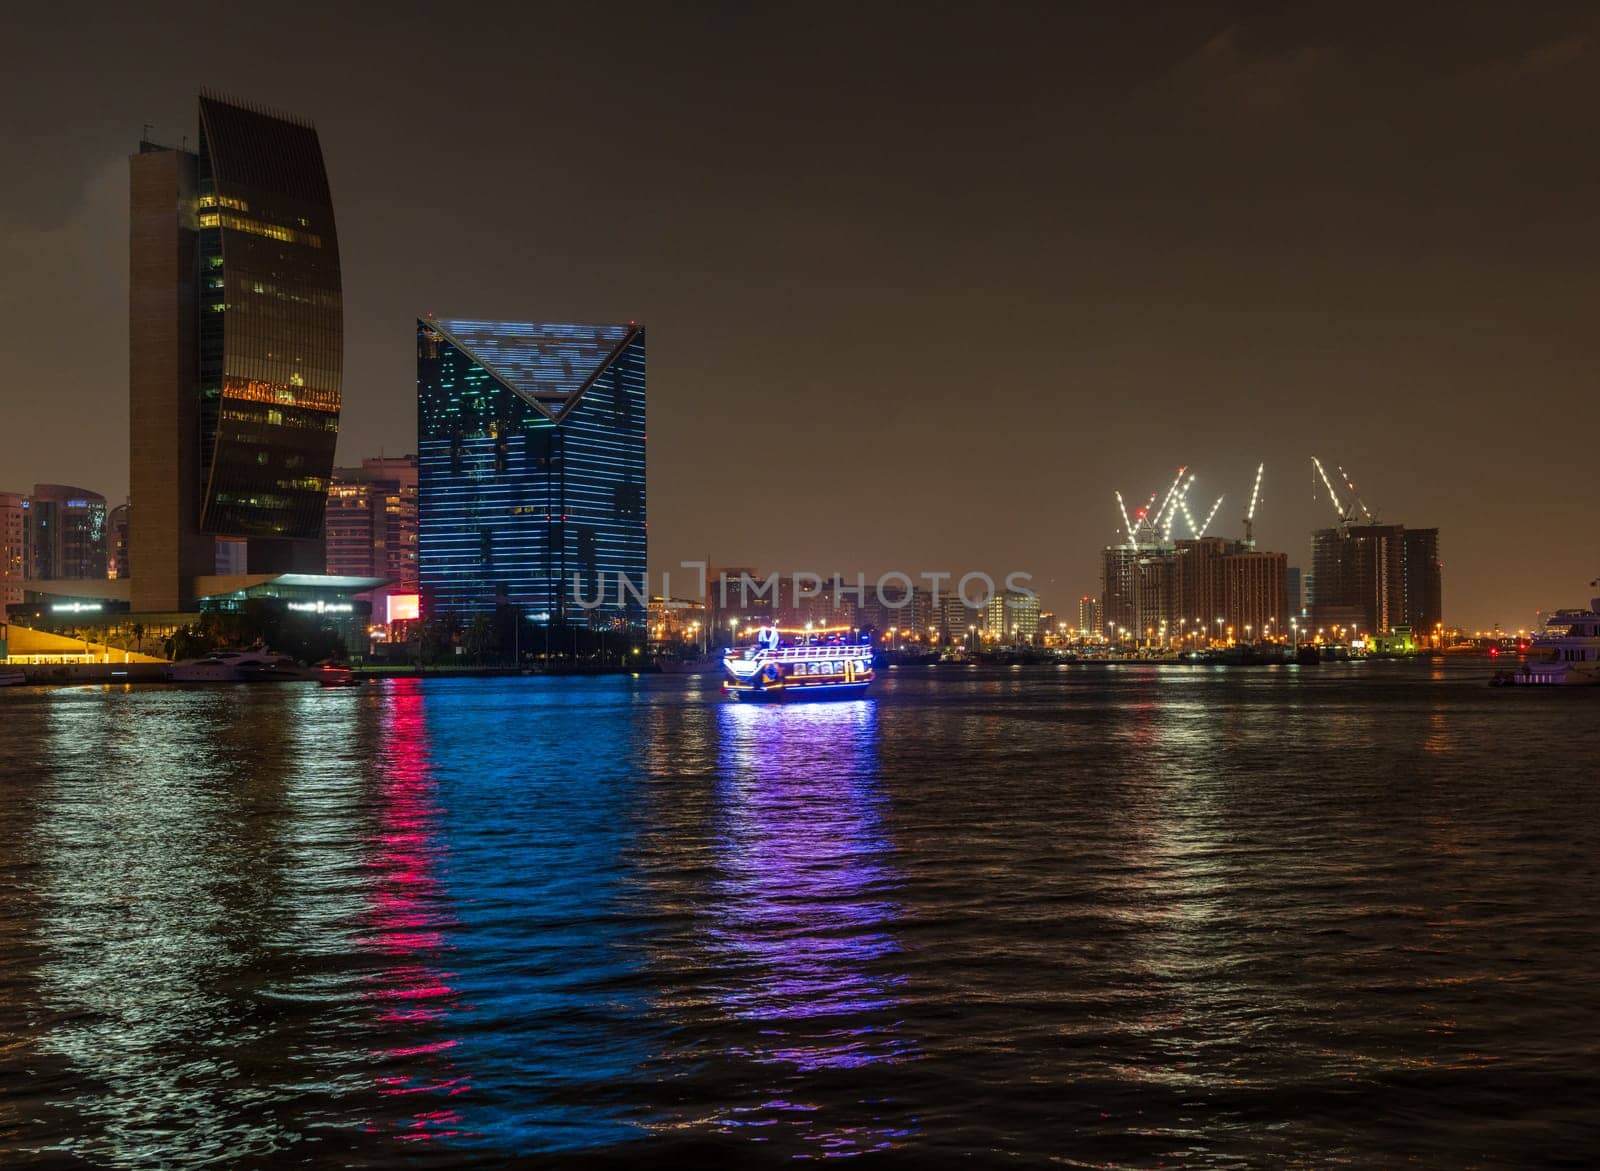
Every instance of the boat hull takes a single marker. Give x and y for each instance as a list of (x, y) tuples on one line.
[(796, 692), (1550, 675), (236, 667)]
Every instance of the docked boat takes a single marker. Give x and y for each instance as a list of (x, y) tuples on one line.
[(337, 675), (1566, 653), (257, 665), (11, 677), (798, 664)]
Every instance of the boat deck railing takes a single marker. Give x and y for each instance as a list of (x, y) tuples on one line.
[(837, 650)]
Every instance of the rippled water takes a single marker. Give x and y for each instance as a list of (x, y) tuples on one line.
[(1126, 916)]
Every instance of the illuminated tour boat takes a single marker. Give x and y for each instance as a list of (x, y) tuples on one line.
[(1565, 653), (798, 664)]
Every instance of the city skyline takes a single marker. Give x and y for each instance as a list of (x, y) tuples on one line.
[(981, 280)]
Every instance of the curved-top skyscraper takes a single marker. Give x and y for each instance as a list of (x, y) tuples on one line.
[(236, 350), (271, 325)]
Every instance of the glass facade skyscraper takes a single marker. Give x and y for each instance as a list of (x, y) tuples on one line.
[(236, 351), (271, 325), (531, 470)]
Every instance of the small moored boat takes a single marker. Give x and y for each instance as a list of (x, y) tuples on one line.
[(337, 675), (11, 677)]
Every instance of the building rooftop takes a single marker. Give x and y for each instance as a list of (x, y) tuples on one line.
[(547, 363)]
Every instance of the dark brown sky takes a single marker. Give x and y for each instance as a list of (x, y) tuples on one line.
[(923, 285)]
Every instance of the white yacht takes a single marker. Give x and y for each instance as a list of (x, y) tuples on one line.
[(256, 665), (1565, 653)]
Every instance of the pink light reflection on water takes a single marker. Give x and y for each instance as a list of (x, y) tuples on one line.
[(408, 923)]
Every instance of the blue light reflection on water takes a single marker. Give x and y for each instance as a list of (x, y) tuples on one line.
[(535, 781)]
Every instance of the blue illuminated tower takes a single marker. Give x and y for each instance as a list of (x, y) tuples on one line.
[(531, 470)]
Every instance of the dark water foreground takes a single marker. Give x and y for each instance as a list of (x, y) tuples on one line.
[(1132, 916)]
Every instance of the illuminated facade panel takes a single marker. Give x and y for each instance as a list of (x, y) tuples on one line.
[(531, 468)]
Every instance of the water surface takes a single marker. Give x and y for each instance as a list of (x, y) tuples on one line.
[(1126, 916)]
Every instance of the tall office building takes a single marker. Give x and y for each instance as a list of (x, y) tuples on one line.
[(1254, 588), (1155, 611), (1294, 595), (1199, 583), (531, 470), (957, 620), (1205, 588), (1424, 591), (13, 549), (65, 534), (118, 564), (1089, 617), (1374, 578), (371, 526), (1012, 617), (916, 615), (235, 351), (1119, 589), (905, 611)]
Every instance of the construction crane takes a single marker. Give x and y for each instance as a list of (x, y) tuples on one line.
[(1199, 530), (1152, 524), (1126, 523), (1352, 505), (1166, 502), (1250, 514), (1355, 498), (1178, 501)]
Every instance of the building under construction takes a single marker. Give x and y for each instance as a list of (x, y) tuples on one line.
[(1370, 578), (1161, 590)]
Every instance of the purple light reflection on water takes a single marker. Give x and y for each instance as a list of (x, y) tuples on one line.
[(803, 905)]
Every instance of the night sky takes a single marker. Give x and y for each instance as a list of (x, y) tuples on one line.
[(923, 286)]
